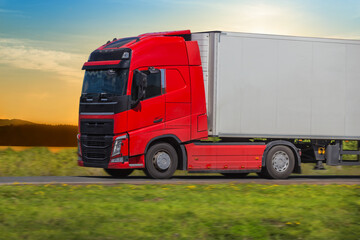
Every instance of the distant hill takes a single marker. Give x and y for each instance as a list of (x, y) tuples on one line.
[(16, 132), (15, 122)]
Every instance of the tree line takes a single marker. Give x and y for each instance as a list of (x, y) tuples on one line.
[(38, 135)]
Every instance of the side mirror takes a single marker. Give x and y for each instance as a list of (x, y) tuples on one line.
[(140, 79), (153, 70)]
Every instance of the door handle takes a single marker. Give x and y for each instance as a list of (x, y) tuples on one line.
[(158, 120)]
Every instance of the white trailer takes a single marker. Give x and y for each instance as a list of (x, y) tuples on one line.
[(270, 86)]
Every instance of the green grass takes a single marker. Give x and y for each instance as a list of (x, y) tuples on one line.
[(39, 161), (224, 211), (308, 169)]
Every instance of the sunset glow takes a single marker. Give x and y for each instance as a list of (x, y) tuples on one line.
[(43, 44)]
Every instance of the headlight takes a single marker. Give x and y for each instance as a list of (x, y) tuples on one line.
[(117, 145), (118, 159), (79, 146), (125, 55)]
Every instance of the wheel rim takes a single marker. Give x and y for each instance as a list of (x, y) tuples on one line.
[(162, 160), (280, 161)]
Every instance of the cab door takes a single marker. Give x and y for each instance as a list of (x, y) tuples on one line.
[(149, 112)]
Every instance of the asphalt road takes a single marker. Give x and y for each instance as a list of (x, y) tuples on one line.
[(192, 179)]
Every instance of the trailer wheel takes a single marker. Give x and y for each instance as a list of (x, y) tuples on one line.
[(280, 162), (161, 161), (118, 173), (235, 175)]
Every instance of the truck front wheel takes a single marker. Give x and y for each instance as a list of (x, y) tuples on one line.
[(161, 161), (280, 162), (118, 173)]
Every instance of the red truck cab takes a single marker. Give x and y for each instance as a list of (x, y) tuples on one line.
[(137, 93)]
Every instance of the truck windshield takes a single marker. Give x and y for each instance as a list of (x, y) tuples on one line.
[(111, 81)]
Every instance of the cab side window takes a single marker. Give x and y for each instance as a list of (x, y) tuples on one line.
[(153, 85)]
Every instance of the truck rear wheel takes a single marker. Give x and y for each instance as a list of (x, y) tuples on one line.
[(235, 175), (280, 162), (161, 161), (118, 173)]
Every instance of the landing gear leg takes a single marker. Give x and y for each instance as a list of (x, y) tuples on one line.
[(319, 166)]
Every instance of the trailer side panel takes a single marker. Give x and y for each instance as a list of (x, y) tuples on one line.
[(284, 87)]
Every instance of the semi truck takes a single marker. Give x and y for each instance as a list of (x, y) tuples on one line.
[(219, 102)]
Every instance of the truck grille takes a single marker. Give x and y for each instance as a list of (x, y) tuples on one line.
[(97, 126), (96, 150), (97, 108), (95, 144), (96, 155)]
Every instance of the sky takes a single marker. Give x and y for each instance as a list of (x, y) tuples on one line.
[(43, 44)]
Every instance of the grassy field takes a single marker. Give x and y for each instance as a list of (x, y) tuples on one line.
[(224, 211), (40, 161)]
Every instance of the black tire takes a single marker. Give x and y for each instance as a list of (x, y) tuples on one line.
[(280, 163), (118, 173), (161, 161), (235, 175)]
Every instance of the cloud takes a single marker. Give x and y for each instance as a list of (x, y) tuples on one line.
[(257, 16), (23, 54), (14, 13), (2, 10), (260, 17)]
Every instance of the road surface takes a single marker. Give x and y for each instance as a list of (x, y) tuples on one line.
[(189, 179)]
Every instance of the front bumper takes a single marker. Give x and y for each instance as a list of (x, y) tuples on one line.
[(98, 151)]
